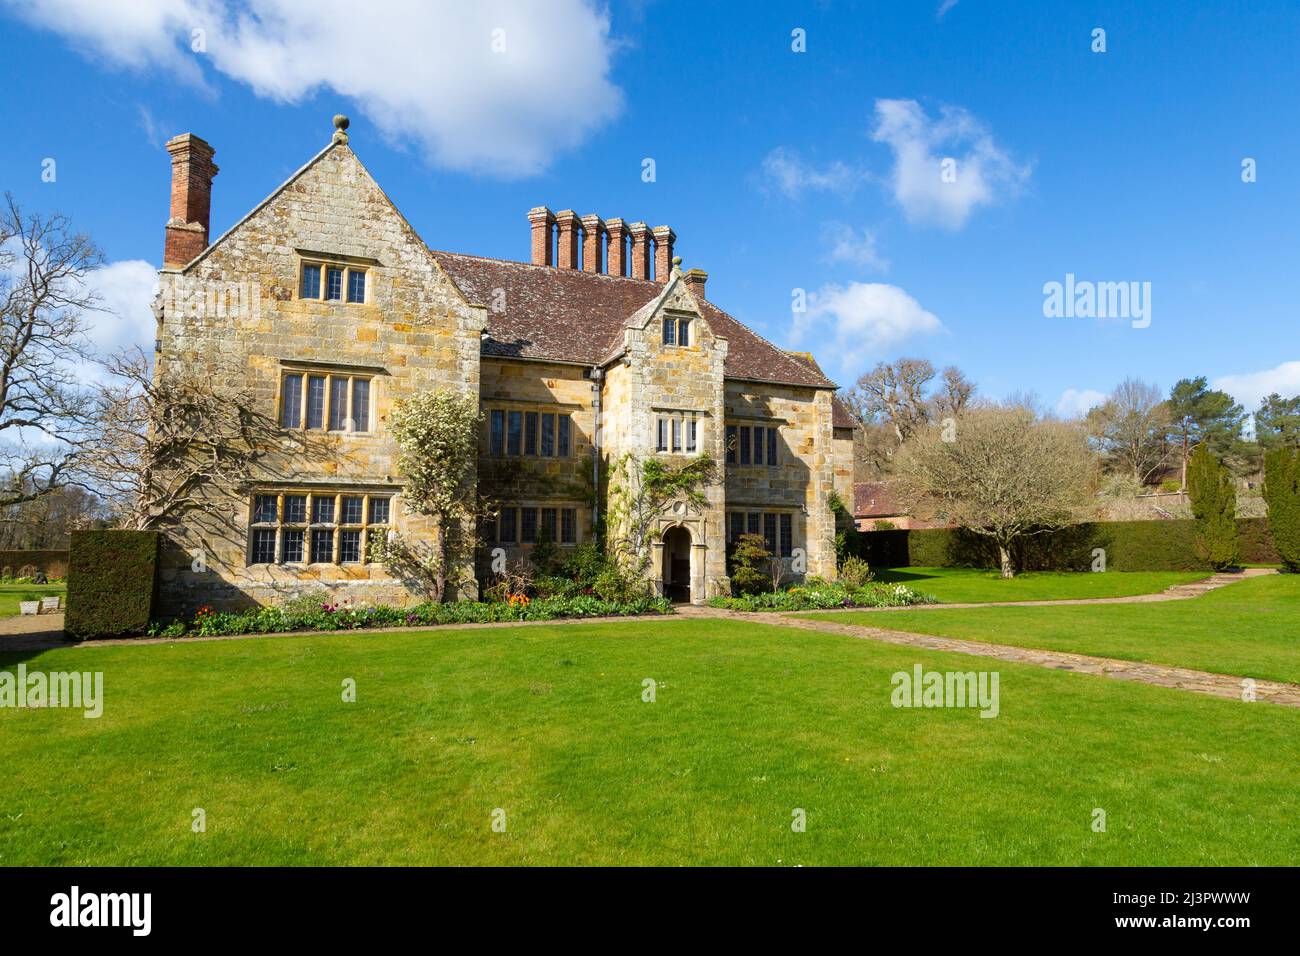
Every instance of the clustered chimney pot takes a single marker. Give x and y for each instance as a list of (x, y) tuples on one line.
[(543, 226), (593, 244), (664, 239), (566, 256)]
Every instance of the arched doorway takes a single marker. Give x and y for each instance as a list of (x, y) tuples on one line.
[(677, 564)]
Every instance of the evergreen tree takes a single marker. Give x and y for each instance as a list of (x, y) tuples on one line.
[(1282, 492), (1214, 505), (1201, 415), (1277, 422)]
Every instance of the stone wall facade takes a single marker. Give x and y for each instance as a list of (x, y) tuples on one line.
[(240, 314)]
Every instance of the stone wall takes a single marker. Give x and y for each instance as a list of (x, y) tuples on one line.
[(235, 316)]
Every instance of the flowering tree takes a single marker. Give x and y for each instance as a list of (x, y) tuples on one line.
[(437, 433)]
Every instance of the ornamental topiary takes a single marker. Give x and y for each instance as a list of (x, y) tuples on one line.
[(1282, 493), (1214, 506)]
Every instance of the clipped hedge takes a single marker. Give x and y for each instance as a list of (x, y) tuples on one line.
[(1129, 545), (110, 583)]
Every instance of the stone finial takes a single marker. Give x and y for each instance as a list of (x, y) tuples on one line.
[(341, 123)]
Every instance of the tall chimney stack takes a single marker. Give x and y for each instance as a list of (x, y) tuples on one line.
[(567, 254), (616, 229), (695, 279), (664, 239), (640, 250), (191, 200), (593, 244), (543, 223)]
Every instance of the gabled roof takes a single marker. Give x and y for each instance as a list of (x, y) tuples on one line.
[(567, 315)]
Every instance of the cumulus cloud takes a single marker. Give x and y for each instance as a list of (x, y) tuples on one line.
[(125, 290), (846, 244), (492, 86), (1250, 388), (862, 319), (981, 172), (785, 171), (1077, 402)]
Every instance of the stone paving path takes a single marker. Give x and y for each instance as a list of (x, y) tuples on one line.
[(1160, 675)]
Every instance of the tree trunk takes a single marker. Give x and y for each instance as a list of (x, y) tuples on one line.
[(1005, 554), (1184, 478)]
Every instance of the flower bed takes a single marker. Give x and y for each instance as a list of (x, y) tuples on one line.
[(343, 617), (823, 595)]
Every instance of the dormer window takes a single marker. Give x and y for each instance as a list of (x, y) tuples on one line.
[(332, 282)]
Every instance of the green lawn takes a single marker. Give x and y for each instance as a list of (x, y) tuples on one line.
[(11, 594), (548, 723), (1251, 628), (977, 585)]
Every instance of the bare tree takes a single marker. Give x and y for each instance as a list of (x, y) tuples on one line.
[(164, 441), (954, 394), (44, 409), (1004, 474), (1130, 429), (895, 400)]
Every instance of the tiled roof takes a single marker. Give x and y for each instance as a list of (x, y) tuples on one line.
[(568, 315), (841, 417), (872, 499)]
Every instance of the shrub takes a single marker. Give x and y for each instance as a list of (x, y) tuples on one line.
[(1171, 485), (342, 617), (1282, 492), (855, 572), (750, 563), (817, 594), (1214, 505), (110, 583)]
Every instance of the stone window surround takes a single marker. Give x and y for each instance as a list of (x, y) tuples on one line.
[(763, 510), (328, 370), (731, 455), (682, 418), (312, 493), (536, 506), (326, 261), (541, 409)]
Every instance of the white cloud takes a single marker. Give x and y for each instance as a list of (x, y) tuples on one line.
[(125, 289), (945, 7), (1077, 402), (846, 244), (785, 171), (1250, 388), (423, 71), (864, 318), (983, 173)]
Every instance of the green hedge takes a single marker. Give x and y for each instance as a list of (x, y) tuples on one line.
[(110, 583), (1129, 546)]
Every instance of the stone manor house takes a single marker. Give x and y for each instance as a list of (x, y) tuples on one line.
[(325, 306)]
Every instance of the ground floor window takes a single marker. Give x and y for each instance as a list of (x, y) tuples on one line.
[(775, 527), (315, 527), (528, 524)]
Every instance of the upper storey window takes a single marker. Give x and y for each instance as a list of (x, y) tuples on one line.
[(330, 400), (332, 282), (677, 330)]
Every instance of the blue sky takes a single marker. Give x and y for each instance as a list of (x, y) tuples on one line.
[(779, 170)]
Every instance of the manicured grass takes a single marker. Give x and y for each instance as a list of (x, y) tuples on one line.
[(977, 585), (12, 594), (1250, 628), (548, 723)]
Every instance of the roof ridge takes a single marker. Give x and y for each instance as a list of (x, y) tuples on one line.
[(539, 265)]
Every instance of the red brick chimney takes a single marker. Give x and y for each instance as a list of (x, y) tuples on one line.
[(695, 279), (567, 253), (664, 239), (616, 229), (191, 203), (543, 223), (593, 244), (640, 250)]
